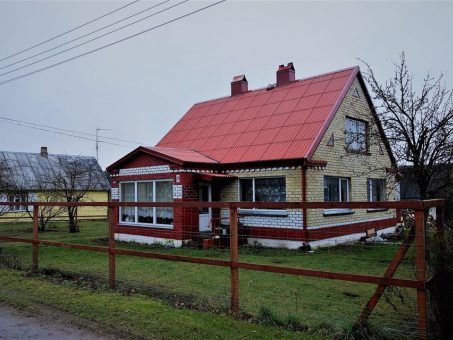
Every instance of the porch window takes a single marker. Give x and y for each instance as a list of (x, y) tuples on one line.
[(147, 191), (265, 189), (356, 135)]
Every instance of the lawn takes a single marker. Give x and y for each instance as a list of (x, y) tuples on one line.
[(317, 303)]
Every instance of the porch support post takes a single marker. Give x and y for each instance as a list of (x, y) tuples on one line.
[(420, 267), (34, 267), (234, 256), (304, 199)]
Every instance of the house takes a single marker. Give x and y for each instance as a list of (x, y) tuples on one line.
[(296, 140), (42, 177)]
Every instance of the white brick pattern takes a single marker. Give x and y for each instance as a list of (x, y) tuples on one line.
[(115, 194), (292, 221), (146, 170), (177, 191)]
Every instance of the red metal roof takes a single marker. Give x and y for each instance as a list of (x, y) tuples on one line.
[(285, 122), (183, 155)]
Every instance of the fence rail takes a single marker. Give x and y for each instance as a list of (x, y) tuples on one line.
[(417, 236)]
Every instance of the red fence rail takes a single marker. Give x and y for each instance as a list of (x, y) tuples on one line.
[(417, 236)]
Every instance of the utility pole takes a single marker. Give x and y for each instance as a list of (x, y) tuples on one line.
[(97, 141)]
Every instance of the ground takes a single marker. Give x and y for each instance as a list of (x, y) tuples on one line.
[(47, 325), (318, 305)]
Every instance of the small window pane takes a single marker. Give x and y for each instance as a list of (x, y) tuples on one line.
[(355, 135), (145, 194), (164, 193), (127, 195), (331, 190), (344, 190), (246, 189), (376, 190), (270, 189)]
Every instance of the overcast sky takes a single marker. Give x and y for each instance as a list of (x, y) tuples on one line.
[(141, 87)]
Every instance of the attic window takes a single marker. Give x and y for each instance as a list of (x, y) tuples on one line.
[(331, 141), (356, 135), (356, 93)]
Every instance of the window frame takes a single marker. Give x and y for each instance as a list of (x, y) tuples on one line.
[(339, 211), (258, 211), (143, 224), (18, 198), (369, 185), (366, 149)]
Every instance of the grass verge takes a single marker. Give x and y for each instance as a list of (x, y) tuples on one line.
[(130, 316)]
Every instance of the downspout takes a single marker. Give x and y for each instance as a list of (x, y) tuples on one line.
[(304, 199)]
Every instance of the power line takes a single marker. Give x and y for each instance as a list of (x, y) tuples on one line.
[(112, 43), (17, 122), (71, 30), (67, 134), (88, 41), (85, 35)]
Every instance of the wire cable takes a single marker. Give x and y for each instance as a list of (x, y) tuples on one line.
[(91, 40), (112, 43), (85, 35), (67, 134), (66, 130), (71, 30)]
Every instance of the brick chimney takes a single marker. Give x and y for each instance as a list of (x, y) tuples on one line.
[(286, 74), (239, 85), (44, 151)]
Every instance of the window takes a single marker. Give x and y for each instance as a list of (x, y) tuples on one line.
[(18, 198), (356, 135), (265, 189), (376, 190), (336, 189), (147, 191)]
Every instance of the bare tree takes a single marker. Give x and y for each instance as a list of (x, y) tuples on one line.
[(5, 185), (74, 178), (418, 125)]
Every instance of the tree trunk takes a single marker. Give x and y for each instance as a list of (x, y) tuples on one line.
[(72, 221)]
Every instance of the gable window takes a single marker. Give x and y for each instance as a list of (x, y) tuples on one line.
[(265, 189), (356, 135), (376, 190), (17, 199), (147, 191)]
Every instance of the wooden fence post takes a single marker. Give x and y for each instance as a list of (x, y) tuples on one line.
[(34, 267), (420, 267), (234, 256), (112, 264)]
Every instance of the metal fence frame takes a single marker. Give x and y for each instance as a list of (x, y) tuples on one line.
[(417, 235)]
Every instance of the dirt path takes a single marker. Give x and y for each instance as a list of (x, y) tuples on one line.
[(48, 325)]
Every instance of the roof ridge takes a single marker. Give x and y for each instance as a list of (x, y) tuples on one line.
[(50, 154), (293, 82)]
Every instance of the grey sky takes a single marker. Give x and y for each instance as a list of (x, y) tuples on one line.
[(141, 87)]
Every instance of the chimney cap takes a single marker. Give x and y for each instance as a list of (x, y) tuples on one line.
[(290, 66), (240, 77)]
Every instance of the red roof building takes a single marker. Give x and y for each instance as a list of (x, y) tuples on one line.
[(262, 145)]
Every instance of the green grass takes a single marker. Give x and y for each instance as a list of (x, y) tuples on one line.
[(130, 316), (308, 301)]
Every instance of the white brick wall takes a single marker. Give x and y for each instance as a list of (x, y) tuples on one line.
[(292, 221)]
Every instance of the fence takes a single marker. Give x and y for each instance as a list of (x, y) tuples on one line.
[(233, 239)]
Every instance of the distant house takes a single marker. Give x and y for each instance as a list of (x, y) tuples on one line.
[(296, 140), (31, 177)]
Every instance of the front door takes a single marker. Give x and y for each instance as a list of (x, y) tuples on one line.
[(205, 214)]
